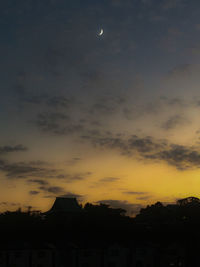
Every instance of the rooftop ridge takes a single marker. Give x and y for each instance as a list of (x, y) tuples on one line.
[(65, 205)]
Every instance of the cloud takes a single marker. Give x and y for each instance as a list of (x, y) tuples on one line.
[(109, 179), (173, 122), (105, 105), (60, 114), (181, 157), (67, 195), (28, 96), (145, 144), (154, 108), (89, 116), (171, 40), (132, 209), (34, 192), (39, 173), (10, 149), (23, 170), (149, 148), (69, 178), (52, 189), (195, 49), (72, 195), (59, 102), (107, 141), (102, 107), (183, 77), (69, 117), (57, 123), (59, 191), (5, 203), (134, 193), (128, 146), (51, 121), (143, 198), (181, 71), (139, 195), (77, 176), (37, 181), (173, 102), (36, 170), (73, 161)]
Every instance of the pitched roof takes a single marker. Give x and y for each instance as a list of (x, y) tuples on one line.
[(63, 204)]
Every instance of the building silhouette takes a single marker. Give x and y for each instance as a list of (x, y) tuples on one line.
[(65, 205)]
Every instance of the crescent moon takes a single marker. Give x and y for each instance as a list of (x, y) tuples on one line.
[(101, 32)]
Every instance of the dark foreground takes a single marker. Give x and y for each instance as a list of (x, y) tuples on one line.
[(99, 236)]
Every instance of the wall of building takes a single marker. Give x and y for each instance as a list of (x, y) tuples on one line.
[(112, 256)]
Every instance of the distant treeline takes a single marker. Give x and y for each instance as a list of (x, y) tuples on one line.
[(101, 224)]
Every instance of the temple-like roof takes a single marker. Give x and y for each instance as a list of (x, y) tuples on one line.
[(65, 205)]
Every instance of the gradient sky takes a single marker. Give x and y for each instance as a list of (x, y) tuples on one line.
[(111, 118)]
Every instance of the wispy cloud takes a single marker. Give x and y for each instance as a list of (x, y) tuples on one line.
[(73, 195), (24, 170), (34, 192), (149, 148), (109, 179), (10, 149), (38, 181), (57, 190), (139, 195), (134, 193), (174, 121)]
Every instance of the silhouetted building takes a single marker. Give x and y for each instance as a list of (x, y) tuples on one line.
[(65, 205), (144, 255), (22, 255), (173, 255), (116, 256), (90, 257)]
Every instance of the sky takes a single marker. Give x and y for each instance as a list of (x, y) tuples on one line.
[(110, 118)]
